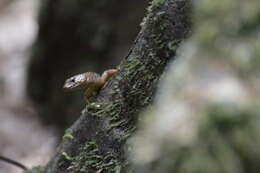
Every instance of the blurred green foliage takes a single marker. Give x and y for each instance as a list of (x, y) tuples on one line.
[(206, 116)]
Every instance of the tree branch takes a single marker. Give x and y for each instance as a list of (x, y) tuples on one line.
[(96, 141)]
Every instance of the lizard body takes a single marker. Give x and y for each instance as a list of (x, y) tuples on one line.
[(90, 81)]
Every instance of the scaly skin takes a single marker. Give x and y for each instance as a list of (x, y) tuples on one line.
[(90, 81)]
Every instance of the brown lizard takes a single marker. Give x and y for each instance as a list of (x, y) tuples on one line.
[(90, 81)]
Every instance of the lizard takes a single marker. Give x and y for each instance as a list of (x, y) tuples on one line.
[(90, 81)]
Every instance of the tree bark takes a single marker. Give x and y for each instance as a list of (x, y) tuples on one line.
[(97, 140)]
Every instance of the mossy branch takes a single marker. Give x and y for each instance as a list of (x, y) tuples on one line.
[(96, 141)]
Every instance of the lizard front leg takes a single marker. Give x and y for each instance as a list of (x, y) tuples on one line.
[(89, 93)]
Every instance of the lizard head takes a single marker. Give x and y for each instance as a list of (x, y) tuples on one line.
[(74, 83)]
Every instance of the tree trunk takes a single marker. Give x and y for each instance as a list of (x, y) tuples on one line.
[(96, 141)]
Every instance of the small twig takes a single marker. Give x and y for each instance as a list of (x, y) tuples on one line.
[(12, 162)]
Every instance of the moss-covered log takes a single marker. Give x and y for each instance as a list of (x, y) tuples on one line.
[(96, 141)]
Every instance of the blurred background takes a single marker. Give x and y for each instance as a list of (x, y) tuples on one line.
[(206, 113), (41, 44)]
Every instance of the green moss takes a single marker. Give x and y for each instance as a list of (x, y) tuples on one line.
[(148, 99), (100, 109), (118, 77), (143, 21), (172, 45), (131, 65), (91, 160), (115, 124), (159, 16), (37, 169), (157, 3), (123, 135), (67, 135), (66, 156)]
